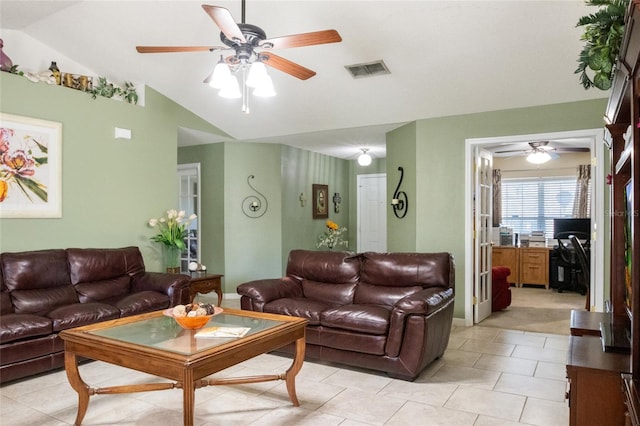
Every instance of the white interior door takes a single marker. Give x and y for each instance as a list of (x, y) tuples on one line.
[(482, 235), (372, 212)]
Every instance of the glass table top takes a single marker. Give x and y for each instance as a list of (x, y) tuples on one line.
[(163, 332)]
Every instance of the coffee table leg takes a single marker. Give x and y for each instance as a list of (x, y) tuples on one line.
[(290, 375), (73, 375), (188, 397)]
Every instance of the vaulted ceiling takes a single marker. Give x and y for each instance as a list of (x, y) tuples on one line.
[(445, 58)]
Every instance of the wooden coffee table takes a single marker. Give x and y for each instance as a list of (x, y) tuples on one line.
[(155, 344)]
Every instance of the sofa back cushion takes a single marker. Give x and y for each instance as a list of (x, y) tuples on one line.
[(38, 280), (408, 269), (100, 274), (324, 266)]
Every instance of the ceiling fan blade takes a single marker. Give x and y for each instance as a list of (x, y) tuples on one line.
[(224, 20), (306, 39), (171, 49), (572, 149), (511, 150), (286, 66)]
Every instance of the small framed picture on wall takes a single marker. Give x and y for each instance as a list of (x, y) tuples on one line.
[(320, 201)]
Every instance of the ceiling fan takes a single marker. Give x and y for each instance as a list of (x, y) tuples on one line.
[(541, 152), (249, 43)]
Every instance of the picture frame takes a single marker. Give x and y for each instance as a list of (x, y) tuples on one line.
[(320, 203), (31, 180)]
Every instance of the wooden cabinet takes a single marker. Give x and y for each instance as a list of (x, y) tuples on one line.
[(595, 393), (534, 266), (623, 117), (506, 256)]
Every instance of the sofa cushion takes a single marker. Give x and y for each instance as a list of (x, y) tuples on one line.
[(382, 294), (403, 269), (324, 266), (21, 326), (370, 319), (6, 307), (78, 314), (298, 307), (35, 269), (334, 294), (41, 301), (141, 302), (96, 291)]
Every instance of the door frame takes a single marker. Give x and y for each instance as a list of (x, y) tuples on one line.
[(599, 227)]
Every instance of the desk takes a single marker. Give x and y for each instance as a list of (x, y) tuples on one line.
[(528, 265), (205, 283)]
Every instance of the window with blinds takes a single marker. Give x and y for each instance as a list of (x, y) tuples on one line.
[(531, 204)]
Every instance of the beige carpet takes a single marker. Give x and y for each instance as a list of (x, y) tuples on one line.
[(538, 310)]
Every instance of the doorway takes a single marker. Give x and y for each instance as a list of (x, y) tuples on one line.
[(372, 212), (595, 138)]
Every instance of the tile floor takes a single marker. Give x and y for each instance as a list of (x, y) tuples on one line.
[(488, 376)]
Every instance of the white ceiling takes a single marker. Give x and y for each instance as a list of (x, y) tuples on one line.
[(445, 57)]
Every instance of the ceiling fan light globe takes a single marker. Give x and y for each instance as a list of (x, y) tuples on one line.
[(364, 159), (538, 157), (221, 74), (265, 90), (257, 75), (231, 89)]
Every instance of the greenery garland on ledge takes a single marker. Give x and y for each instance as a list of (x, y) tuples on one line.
[(103, 88), (603, 34)]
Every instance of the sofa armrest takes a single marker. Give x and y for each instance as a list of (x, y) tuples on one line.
[(176, 286), (267, 290), (426, 302)]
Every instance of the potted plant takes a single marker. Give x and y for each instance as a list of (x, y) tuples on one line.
[(603, 34)]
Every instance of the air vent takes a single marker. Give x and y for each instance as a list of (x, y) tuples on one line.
[(368, 70)]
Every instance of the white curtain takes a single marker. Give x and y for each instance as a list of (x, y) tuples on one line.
[(581, 205)]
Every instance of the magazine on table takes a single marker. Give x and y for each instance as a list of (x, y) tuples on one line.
[(213, 332)]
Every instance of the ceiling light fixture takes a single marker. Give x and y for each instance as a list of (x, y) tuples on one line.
[(538, 156), (253, 73), (364, 159)]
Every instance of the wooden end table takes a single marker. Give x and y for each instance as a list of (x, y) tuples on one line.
[(205, 283)]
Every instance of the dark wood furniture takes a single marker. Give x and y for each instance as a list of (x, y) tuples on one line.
[(175, 354), (585, 323), (623, 117), (205, 283), (595, 395)]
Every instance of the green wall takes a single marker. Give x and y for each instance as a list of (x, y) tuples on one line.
[(110, 187), (438, 183)]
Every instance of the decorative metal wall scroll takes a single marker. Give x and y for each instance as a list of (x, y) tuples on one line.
[(400, 202), (254, 206)]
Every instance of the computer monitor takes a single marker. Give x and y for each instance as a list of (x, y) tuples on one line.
[(571, 225)]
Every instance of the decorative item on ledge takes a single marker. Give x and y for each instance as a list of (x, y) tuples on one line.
[(400, 202), (337, 199), (252, 204)]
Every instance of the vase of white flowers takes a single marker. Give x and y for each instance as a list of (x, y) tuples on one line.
[(173, 231), (332, 236)]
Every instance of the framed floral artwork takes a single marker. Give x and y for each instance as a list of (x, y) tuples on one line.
[(30, 167), (320, 201)]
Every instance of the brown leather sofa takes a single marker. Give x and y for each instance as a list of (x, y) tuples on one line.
[(46, 291), (390, 312)]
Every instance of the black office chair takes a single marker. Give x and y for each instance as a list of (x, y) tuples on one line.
[(567, 258), (583, 260)]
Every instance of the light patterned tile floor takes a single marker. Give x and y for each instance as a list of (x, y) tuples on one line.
[(488, 376)]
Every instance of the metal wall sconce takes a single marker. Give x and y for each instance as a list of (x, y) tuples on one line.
[(252, 205), (337, 199), (400, 202), (302, 199)]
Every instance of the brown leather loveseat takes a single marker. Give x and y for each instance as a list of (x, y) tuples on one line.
[(46, 291), (390, 312)]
